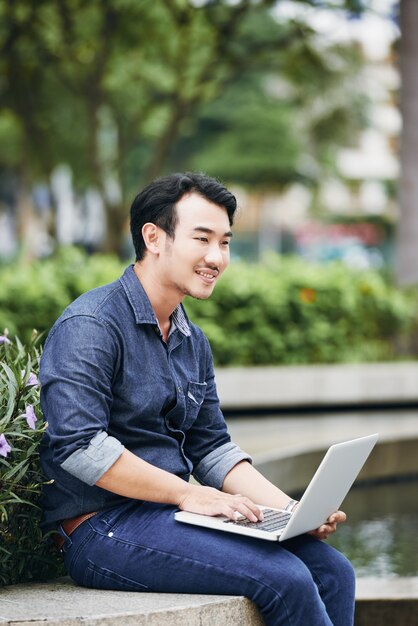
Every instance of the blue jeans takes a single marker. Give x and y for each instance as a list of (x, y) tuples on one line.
[(138, 546)]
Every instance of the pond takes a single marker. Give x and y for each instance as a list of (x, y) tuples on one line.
[(380, 536)]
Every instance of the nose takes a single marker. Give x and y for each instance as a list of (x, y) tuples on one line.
[(216, 257)]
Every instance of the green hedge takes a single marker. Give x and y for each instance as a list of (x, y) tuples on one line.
[(290, 312), (282, 312), (33, 296)]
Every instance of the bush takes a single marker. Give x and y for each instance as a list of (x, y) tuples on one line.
[(33, 296), (24, 554), (288, 312), (284, 312)]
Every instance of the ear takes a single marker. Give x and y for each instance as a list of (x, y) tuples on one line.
[(151, 235)]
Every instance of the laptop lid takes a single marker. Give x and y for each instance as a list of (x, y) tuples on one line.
[(323, 496), (330, 484)]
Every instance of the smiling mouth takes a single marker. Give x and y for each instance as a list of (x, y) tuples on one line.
[(208, 275)]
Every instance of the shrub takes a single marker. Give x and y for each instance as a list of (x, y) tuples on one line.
[(33, 296), (24, 554), (290, 312), (282, 312)]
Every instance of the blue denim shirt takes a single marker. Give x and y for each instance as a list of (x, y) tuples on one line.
[(109, 381)]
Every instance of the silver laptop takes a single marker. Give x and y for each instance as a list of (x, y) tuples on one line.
[(323, 496)]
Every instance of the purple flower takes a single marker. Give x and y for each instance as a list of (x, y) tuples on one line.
[(4, 446), (4, 339), (30, 416), (32, 380)]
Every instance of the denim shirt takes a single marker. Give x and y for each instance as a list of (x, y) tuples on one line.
[(109, 382)]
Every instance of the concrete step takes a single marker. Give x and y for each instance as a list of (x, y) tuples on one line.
[(62, 603), (380, 602), (317, 385)]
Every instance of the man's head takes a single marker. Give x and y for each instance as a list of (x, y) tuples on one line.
[(157, 204)]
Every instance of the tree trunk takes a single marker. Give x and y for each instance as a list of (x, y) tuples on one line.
[(117, 229), (407, 237), (167, 139)]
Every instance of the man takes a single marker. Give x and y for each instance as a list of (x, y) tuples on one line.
[(129, 395)]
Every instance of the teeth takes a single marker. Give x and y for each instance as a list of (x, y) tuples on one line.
[(206, 275)]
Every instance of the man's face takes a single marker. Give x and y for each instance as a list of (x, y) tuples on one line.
[(192, 262)]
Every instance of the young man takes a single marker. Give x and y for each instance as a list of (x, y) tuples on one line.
[(129, 395)]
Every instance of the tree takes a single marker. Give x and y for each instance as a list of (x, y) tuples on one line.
[(407, 240), (109, 86), (260, 130)]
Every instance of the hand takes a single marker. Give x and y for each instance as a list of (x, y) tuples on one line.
[(209, 501), (330, 526)]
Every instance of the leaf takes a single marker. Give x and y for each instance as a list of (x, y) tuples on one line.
[(20, 348), (2, 549), (10, 374), (11, 399), (14, 499), (16, 470)]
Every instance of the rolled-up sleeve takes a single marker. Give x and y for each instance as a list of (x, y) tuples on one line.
[(213, 468), (89, 464)]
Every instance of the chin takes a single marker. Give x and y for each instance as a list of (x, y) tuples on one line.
[(197, 291), (198, 295)]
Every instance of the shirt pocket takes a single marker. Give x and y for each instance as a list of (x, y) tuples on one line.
[(194, 399)]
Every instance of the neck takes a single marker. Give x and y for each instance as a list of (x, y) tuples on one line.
[(162, 301)]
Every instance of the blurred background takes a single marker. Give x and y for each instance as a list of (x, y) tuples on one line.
[(308, 111), (297, 106)]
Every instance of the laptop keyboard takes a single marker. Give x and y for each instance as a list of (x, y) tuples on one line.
[(273, 520)]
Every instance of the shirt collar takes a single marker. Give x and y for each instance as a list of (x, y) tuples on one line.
[(141, 305), (180, 321)]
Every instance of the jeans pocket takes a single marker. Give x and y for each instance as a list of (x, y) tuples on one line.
[(102, 578), (110, 519)]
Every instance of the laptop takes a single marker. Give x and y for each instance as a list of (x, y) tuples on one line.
[(323, 496)]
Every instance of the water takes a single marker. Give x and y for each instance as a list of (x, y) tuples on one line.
[(380, 536)]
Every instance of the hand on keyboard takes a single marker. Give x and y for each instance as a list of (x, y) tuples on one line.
[(273, 520)]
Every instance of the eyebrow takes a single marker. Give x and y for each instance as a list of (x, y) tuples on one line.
[(209, 231)]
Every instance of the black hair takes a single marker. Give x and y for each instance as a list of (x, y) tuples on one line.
[(156, 203)]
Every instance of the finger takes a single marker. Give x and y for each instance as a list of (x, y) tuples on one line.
[(328, 529), (243, 508), (320, 533), (253, 513), (338, 517), (247, 508)]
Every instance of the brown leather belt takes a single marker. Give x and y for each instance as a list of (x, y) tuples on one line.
[(69, 526)]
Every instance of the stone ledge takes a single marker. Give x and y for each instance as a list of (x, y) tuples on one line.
[(62, 603), (379, 602), (317, 385), (387, 602)]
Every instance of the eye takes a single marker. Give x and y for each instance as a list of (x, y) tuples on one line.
[(204, 239), (226, 242)]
